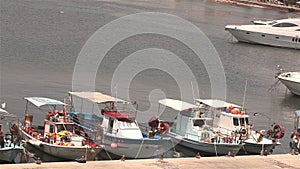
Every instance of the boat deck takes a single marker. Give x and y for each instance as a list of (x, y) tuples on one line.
[(249, 162)]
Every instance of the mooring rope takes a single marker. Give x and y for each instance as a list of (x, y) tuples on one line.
[(138, 153)]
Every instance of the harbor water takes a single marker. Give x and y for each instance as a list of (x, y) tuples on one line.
[(41, 42)]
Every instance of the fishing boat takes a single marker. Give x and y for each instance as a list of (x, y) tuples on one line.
[(193, 134), (279, 33), (232, 119), (291, 80), (295, 136), (58, 136), (120, 132), (9, 147)]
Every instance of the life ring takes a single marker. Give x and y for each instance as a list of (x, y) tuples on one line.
[(278, 131), (164, 127)]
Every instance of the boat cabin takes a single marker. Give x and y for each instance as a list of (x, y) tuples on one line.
[(193, 125), (7, 139), (57, 128), (120, 123), (227, 117), (190, 122), (118, 115), (295, 136)]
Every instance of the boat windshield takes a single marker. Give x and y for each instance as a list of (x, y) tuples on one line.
[(199, 122), (285, 24), (240, 121), (62, 127), (244, 121)]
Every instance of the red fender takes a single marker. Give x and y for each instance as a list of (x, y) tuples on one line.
[(278, 131), (164, 127)]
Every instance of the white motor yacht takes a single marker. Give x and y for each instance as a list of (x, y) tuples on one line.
[(291, 80), (279, 33)]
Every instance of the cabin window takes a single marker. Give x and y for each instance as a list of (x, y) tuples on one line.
[(51, 129), (242, 121), (277, 37), (235, 121), (61, 127), (263, 35), (198, 123), (111, 124), (247, 121), (286, 24)]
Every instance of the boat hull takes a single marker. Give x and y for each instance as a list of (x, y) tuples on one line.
[(9, 154), (191, 148), (63, 153), (263, 38), (293, 86), (136, 148), (256, 149)]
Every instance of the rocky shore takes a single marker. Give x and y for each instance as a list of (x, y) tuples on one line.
[(257, 4)]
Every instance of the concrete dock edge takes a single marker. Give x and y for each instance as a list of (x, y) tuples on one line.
[(286, 161)]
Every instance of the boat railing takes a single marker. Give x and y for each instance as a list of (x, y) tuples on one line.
[(208, 136), (88, 133)]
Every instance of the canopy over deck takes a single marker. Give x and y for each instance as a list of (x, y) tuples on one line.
[(97, 97), (298, 113), (176, 104), (42, 101), (215, 103)]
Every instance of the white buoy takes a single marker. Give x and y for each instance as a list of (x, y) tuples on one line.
[(114, 145)]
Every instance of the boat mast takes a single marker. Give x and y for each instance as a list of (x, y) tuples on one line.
[(26, 107), (244, 98)]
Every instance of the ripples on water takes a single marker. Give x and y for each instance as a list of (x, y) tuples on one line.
[(40, 44)]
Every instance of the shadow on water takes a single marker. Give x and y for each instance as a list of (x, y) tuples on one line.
[(36, 153), (292, 101)]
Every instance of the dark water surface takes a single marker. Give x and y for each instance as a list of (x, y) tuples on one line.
[(41, 40)]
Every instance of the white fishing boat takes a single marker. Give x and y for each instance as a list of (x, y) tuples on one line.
[(57, 137), (192, 133), (279, 33), (119, 130), (295, 136), (291, 80), (232, 119), (9, 148)]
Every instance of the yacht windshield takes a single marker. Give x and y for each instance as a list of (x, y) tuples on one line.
[(285, 24)]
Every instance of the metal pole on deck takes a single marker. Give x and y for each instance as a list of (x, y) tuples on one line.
[(158, 114), (71, 100), (26, 107)]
